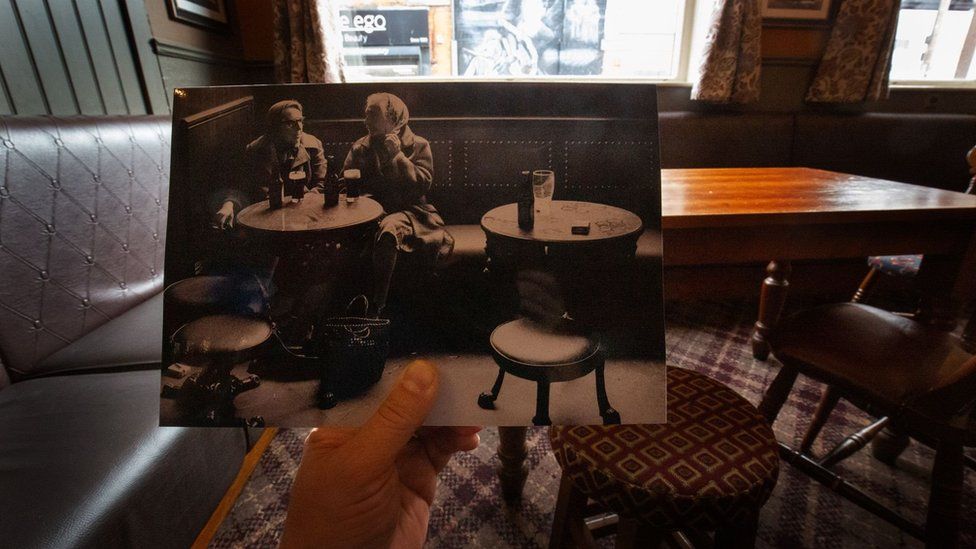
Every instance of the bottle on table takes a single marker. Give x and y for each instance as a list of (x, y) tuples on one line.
[(276, 193), (352, 178), (330, 195), (526, 202)]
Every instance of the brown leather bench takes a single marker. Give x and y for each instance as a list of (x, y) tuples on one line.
[(82, 224)]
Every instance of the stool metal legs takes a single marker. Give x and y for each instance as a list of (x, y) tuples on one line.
[(542, 404), (609, 415), (486, 400)]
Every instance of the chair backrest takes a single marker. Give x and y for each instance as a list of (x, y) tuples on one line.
[(82, 223)]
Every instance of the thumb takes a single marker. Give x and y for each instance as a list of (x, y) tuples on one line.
[(399, 416)]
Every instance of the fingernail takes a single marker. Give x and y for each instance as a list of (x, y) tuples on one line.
[(419, 377)]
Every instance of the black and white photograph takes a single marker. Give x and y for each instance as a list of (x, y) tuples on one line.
[(322, 237)]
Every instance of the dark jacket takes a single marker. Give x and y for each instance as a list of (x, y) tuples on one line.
[(299, 170)]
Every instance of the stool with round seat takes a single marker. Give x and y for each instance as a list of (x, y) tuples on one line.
[(710, 468), (218, 343), (530, 350), (199, 296)]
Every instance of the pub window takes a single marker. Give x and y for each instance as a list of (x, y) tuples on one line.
[(935, 43), (615, 39)]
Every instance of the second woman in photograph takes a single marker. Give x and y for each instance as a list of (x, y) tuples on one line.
[(396, 168)]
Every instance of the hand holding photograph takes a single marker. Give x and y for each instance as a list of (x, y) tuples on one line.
[(321, 237)]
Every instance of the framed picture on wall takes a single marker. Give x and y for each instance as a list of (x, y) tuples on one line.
[(210, 14), (798, 10)]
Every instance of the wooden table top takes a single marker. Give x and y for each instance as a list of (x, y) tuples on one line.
[(744, 196), (309, 215), (606, 222)]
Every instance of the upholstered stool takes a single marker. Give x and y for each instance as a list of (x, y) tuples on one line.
[(199, 296), (529, 350), (218, 343), (710, 468)]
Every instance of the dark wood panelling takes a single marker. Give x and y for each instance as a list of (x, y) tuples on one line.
[(48, 60), (124, 56), (142, 37), (68, 57), (23, 85), (210, 146), (5, 106), (100, 50), (79, 64)]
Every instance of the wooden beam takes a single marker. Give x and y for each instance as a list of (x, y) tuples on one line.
[(230, 496)]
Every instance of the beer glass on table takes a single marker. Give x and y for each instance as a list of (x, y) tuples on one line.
[(543, 185), (352, 185)]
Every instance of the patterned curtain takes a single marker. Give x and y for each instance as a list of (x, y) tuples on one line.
[(857, 60), (308, 44), (731, 61)]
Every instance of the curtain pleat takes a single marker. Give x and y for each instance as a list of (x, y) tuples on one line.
[(308, 43), (857, 60), (731, 61)]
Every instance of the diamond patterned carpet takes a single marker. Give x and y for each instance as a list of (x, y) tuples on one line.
[(712, 338)]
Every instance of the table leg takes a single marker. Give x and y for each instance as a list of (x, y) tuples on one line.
[(512, 452), (771, 300)]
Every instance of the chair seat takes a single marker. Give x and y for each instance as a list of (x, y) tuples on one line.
[(222, 334), (529, 342), (889, 357), (897, 265), (713, 464)]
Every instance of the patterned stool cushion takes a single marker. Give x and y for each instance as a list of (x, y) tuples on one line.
[(713, 464), (897, 265), (529, 342)]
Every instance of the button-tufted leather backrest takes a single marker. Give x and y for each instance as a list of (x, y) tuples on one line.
[(82, 227)]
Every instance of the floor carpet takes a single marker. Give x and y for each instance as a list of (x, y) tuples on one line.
[(712, 338)]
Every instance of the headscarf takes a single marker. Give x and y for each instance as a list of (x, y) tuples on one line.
[(394, 107), (275, 111)]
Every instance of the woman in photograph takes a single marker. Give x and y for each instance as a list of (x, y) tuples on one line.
[(396, 168)]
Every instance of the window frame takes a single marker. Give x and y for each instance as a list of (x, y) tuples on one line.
[(695, 19)]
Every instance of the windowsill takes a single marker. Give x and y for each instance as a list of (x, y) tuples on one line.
[(549, 78), (933, 85)]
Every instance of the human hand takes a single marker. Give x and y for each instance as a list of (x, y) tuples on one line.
[(391, 143), (224, 218), (373, 486)]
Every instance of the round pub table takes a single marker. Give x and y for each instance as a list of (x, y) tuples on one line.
[(309, 217), (606, 228), (309, 242)]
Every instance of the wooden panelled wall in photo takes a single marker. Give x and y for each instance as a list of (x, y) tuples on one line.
[(67, 57)]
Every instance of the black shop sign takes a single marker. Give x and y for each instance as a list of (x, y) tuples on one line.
[(384, 27)]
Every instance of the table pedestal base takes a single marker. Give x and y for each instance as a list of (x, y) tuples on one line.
[(771, 301), (512, 452)]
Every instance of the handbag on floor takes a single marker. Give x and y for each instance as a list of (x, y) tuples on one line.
[(353, 351)]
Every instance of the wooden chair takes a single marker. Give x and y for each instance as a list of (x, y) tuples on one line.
[(711, 467), (919, 379), (887, 444), (902, 265)]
